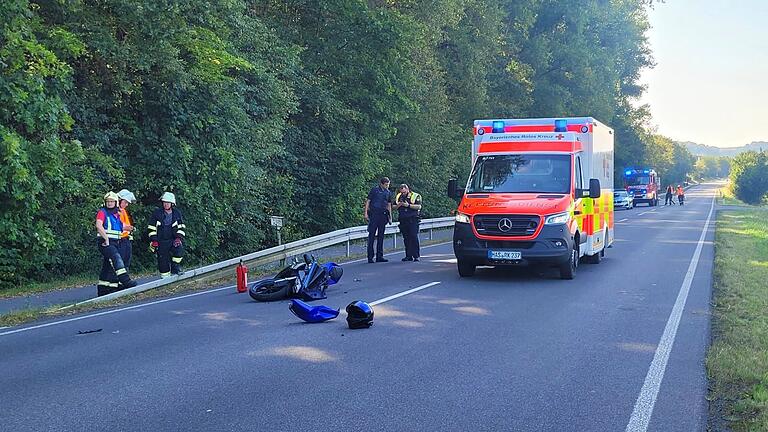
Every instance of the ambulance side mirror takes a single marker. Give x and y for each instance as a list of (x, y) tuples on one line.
[(594, 188), (453, 190)]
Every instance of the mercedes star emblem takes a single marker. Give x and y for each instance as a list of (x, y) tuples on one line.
[(505, 225)]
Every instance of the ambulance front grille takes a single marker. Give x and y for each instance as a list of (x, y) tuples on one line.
[(506, 225)]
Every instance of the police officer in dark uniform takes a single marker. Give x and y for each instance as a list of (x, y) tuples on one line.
[(378, 212), (408, 205)]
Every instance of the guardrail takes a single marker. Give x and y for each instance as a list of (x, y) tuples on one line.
[(277, 253)]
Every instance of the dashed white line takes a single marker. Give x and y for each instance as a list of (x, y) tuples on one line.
[(624, 220), (641, 415), (404, 293)]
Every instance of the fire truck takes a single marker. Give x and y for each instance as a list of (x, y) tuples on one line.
[(539, 193), (643, 185)]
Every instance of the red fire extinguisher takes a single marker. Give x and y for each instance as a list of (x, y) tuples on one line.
[(242, 278)]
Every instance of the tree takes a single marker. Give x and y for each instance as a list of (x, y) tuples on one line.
[(43, 169), (749, 176)]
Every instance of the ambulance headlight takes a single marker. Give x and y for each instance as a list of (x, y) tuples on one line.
[(557, 219), (462, 218), (498, 126)]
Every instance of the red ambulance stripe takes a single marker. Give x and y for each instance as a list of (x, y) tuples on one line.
[(547, 146), (589, 224), (535, 128)]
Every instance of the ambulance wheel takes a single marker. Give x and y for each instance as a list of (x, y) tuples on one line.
[(568, 268), (465, 269)]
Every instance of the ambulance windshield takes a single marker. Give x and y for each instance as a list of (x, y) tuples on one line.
[(534, 173)]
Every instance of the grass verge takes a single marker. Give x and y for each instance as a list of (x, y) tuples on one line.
[(737, 362), (726, 197), (220, 278)]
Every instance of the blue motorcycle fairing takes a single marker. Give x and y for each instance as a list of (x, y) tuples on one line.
[(312, 314), (334, 272)]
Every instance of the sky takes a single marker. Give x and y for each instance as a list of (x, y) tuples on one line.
[(710, 83)]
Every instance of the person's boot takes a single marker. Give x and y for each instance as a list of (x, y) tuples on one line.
[(126, 280), (176, 269)]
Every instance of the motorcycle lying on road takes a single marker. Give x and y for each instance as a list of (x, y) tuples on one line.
[(304, 279)]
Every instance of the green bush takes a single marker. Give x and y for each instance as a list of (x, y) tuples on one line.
[(749, 176)]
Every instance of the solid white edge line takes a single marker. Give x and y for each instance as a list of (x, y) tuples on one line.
[(404, 293), (641, 414), (183, 297), (114, 311)]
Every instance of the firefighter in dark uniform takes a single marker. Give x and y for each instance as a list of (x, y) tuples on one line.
[(378, 212), (166, 236), (408, 205), (113, 275)]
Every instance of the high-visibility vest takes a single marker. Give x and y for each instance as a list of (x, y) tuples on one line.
[(126, 219), (112, 224), (408, 212)]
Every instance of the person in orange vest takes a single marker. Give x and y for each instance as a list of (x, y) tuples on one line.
[(109, 227), (680, 195), (126, 237)]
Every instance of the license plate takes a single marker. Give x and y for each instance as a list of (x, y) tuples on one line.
[(505, 255)]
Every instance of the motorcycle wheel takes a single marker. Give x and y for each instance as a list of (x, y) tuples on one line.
[(268, 290)]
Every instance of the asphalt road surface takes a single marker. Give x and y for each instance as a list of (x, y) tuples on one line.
[(620, 347)]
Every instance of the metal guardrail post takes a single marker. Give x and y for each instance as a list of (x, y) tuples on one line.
[(430, 233)]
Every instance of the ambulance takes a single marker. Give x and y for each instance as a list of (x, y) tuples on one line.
[(540, 193)]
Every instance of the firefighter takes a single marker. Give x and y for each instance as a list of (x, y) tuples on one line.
[(113, 274), (126, 238), (680, 195), (166, 236), (378, 212), (408, 205)]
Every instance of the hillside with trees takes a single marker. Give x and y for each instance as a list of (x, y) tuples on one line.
[(246, 109)]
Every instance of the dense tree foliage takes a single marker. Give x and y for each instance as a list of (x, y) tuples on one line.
[(246, 108), (749, 176), (712, 167)]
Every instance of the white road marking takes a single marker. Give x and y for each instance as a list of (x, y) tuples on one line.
[(404, 293), (624, 220), (641, 415), (114, 311)]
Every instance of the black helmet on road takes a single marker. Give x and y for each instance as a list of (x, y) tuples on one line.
[(359, 315)]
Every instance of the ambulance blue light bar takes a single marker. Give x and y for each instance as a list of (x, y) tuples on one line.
[(561, 125), (627, 172), (498, 127)]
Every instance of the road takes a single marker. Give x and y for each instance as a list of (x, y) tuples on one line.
[(506, 350)]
